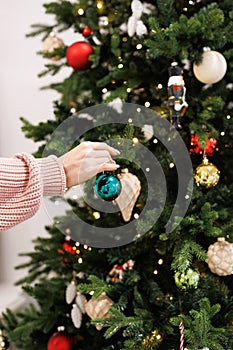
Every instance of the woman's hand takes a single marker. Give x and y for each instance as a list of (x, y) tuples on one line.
[(86, 160)]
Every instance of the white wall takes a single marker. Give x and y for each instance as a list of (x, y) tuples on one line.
[(20, 95)]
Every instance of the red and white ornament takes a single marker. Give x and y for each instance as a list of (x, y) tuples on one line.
[(77, 55)]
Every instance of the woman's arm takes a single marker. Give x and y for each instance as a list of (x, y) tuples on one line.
[(23, 182)]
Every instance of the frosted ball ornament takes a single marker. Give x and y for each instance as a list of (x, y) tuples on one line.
[(220, 257), (212, 67)]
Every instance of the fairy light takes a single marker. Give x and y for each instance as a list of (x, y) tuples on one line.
[(160, 86), (160, 261), (155, 141), (138, 110), (81, 12), (77, 244), (187, 196), (120, 66), (128, 90), (92, 292), (147, 170), (155, 272), (124, 39), (171, 165), (96, 215), (80, 260), (130, 120), (136, 216), (73, 110), (75, 196), (85, 246), (147, 104), (139, 46), (222, 133), (185, 9), (104, 90), (90, 249), (228, 117), (135, 140)]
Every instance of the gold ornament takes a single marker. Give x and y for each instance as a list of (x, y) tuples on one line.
[(51, 43), (130, 191), (4, 344), (220, 257), (207, 174), (99, 308)]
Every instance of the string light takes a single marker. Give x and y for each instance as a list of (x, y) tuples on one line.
[(136, 216), (129, 90), (135, 140), (130, 120), (138, 110), (228, 117), (160, 261), (222, 133), (160, 86), (81, 12), (147, 104), (147, 170), (80, 260), (155, 272), (73, 110), (155, 141), (139, 46), (120, 66), (104, 90), (96, 215), (171, 165), (124, 39)]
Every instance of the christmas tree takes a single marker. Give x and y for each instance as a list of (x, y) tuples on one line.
[(151, 266)]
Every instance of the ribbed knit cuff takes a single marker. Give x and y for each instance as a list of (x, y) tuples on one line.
[(52, 176)]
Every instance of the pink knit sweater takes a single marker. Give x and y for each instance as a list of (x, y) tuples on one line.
[(23, 182)]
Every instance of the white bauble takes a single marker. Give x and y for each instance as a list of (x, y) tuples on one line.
[(211, 69)]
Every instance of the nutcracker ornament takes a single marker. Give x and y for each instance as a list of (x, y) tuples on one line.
[(117, 272), (176, 95)]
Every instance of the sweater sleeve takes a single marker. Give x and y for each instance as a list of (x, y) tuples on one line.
[(23, 182)]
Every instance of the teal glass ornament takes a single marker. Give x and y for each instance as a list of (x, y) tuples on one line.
[(107, 187)]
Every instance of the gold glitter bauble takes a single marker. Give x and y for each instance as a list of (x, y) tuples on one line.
[(220, 257), (4, 344), (207, 174)]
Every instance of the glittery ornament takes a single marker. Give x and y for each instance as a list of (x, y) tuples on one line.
[(52, 43), (220, 257), (207, 174), (188, 279), (99, 308), (4, 344), (107, 187)]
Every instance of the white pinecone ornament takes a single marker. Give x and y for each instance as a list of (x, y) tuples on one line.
[(71, 292), (220, 257), (76, 316), (81, 301)]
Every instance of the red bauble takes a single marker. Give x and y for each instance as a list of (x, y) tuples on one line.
[(61, 341), (77, 55), (87, 31)]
